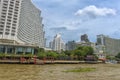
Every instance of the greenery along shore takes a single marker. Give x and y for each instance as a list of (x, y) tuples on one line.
[(78, 54)]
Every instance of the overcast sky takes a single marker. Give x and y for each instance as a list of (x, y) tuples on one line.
[(73, 18)]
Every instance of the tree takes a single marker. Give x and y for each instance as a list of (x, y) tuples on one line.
[(90, 51), (118, 55), (83, 51), (52, 54), (41, 50), (41, 55), (80, 54), (62, 56), (86, 49), (67, 52)]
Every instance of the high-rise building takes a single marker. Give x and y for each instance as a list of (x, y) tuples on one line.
[(84, 38), (21, 21), (71, 45), (84, 41), (57, 44), (108, 45)]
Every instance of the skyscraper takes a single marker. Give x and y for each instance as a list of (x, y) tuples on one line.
[(108, 45), (84, 38), (21, 21), (57, 44), (71, 45)]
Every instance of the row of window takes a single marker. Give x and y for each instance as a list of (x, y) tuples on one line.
[(11, 1), (7, 33), (8, 20), (9, 17), (13, 30)]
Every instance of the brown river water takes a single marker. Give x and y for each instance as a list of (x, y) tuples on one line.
[(56, 72)]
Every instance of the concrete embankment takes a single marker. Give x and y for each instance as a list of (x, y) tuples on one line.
[(47, 62)]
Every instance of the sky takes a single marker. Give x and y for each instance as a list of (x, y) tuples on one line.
[(73, 18)]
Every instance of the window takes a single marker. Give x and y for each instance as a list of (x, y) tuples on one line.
[(8, 23), (7, 26), (1, 32), (9, 13), (9, 17), (11, 2), (13, 30), (1, 29), (13, 34), (14, 24), (10, 10), (7, 29), (16, 12), (11, 5), (15, 18), (13, 27), (15, 15), (15, 21), (8, 20), (3, 16), (16, 9), (2, 22), (2, 19), (7, 33)]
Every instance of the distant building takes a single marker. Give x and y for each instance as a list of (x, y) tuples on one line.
[(84, 38), (108, 45), (85, 42), (57, 44), (70, 45), (91, 44)]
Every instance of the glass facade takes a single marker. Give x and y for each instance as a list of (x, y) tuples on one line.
[(7, 49), (2, 49)]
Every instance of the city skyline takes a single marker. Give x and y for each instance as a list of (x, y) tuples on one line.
[(77, 17)]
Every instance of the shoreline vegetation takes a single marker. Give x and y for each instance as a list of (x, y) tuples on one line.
[(82, 54)]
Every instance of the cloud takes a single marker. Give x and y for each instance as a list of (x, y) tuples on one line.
[(58, 28), (72, 25), (74, 18), (93, 12), (116, 33)]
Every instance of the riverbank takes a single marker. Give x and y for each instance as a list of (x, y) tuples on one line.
[(47, 62)]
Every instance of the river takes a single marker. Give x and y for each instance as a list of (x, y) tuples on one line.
[(56, 72)]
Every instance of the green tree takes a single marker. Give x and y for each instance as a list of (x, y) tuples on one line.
[(67, 52), (41, 55), (41, 50), (83, 51), (62, 56), (87, 49), (52, 54), (118, 55), (80, 54), (90, 51)]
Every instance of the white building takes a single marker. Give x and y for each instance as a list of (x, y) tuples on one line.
[(57, 44), (20, 21)]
